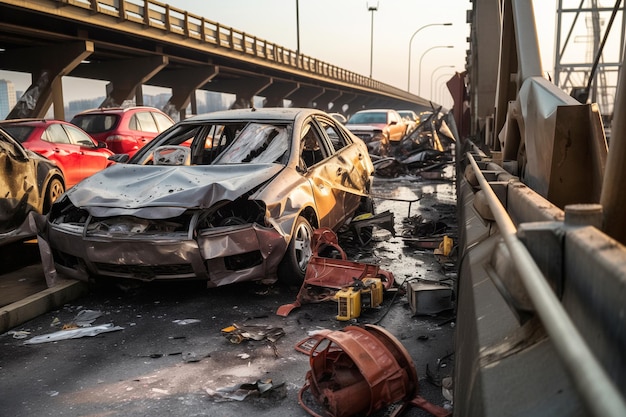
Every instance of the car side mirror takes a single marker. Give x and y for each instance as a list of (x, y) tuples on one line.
[(120, 158), (101, 145), (393, 123)]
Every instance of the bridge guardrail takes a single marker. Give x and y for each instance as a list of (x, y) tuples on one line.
[(173, 20)]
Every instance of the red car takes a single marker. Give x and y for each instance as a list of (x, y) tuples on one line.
[(124, 130), (74, 151)]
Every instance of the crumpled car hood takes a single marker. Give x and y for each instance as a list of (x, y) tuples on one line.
[(151, 191)]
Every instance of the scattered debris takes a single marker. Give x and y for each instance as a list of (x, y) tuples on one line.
[(428, 298), (19, 334), (360, 370), (186, 321), (243, 391), (85, 318), (238, 333), (324, 276), (73, 333)]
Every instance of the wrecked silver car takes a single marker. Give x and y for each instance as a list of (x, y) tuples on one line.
[(226, 197)]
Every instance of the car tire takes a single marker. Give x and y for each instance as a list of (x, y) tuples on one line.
[(53, 192), (292, 268)]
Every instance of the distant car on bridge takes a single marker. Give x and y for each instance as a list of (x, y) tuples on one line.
[(76, 153), (378, 128), (410, 118), (124, 130)]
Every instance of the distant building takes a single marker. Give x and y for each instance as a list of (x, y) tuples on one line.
[(7, 98)]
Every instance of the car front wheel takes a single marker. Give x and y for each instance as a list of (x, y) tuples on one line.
[(292, 268), (53, 192)]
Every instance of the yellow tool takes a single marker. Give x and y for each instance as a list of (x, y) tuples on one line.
[(366, 293)]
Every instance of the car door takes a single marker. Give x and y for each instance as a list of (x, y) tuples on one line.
[(397, 127), (145, 126), (20, 187), (324, 172), (91, 159), (351, 160), (64, 152)]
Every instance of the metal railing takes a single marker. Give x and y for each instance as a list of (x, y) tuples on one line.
[(596, 390), (172, 20)]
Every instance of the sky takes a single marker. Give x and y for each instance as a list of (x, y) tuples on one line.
[(340, 33)]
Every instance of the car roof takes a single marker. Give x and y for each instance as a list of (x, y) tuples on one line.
[(374, 110), (116, 110), (31, 121), (268, 113)]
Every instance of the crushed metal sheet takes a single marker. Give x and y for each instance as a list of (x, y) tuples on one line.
[(73, 334), (242, 391)]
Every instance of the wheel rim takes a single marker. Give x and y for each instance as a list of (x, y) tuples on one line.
[(56, 189), (302, 245)]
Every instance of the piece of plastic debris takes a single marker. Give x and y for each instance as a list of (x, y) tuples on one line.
[(243, 356), (242, 391), (85, 318), (55, 322), (186, 321), (73, 334), (238, 333), (19, 334)]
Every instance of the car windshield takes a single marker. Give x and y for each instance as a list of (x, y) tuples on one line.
[(220, 143), (258, 143), (368, 117), (20, 133), (95, 123)]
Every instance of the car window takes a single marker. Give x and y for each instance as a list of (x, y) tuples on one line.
[(368, 117), (79, 138), (10, 148), (313, 150), (334, 134), (55, 134), (95, 123), (258, 143), (144, 122), (162, 121), (19, 133)]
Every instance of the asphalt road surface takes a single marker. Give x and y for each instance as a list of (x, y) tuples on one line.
[(169, 355)]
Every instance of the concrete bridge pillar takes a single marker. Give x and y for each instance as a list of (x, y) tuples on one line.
[(125, 76), (184, 83), (47, 64), (277, 92), (305, 95), (244, 89)]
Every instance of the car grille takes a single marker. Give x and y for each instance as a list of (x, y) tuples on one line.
[(145, 271)]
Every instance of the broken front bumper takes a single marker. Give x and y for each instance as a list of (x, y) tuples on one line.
[(221, 255)]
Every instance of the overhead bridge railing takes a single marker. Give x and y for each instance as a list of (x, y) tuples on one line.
[(595, 388), (180, 22)]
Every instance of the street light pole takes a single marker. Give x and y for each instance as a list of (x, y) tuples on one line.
[(442, 84), (408, 83), (298, 26), (372, 9), (432, 74), (419, 82)]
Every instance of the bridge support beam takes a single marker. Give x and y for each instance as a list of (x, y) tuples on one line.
[(323, 102), (305, 95), (126, 76), (277, 92), (47, 64), (244, 89), (184, 83)]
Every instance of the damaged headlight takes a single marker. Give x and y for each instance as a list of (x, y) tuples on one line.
[(130, 225)]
